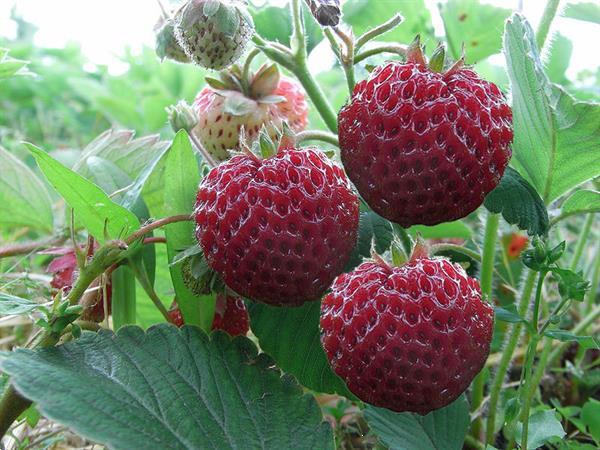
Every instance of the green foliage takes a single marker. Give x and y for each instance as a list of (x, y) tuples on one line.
[(24, 200), (543, 425), (554, 134), (443, 429), (372, 229), (90, 204), (10, 67), (13, 305), (581, 202), (182, 176), (285, 333), (476, 26), (123, 297), (171, 388), (417, 19), (519, 203), (587, 11), (590, 416)]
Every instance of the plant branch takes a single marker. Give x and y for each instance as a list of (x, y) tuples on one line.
[(154, 225), (155, 240), (379, 30), (23, 249), (486, 279), (386, 48), (206, 156), (317, 135)]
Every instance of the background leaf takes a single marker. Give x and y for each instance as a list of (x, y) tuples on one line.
[(478, 26), (170, 389), (91, 205), (371, 228), (456, 229), (555, 136), (443, 429), (366, 15), (24, 200), (123, 297), (559, 58), (581, 202), (543, 425), (182, 176), (587, 11), (12, 305), (519, 203), (291, 337)]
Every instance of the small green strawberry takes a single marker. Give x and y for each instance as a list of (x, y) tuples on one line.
[(213, 33)]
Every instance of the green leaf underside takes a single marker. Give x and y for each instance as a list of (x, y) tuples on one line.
[(170, 389), (476, 26), (543, 425), (291, 337), (182, 177), (443, 429), (519, 203), (24, 200), (91, 205), (12, 305), (555, 136)]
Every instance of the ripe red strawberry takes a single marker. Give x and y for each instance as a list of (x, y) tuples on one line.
[(213, 33), (231, 315), (408, 338), (277, 230), (64, 270), (424, 147), (269, 101)]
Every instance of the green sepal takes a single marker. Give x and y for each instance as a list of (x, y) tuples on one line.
[(266, 144), (210, 7), (436, 63)]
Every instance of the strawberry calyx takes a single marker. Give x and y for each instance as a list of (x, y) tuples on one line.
[(437, 62), (243, 89)]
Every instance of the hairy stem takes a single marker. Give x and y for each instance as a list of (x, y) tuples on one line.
[(154, 225), (379, 30), (386, 48), (486, 280), (531, 351), (206, 156), (545, 22), (317, 135), (317, 96), (590, 296), (439, 248)]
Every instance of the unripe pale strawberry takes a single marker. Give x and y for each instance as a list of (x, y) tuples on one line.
[(213, 33)]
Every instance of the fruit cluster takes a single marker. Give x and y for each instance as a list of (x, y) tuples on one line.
[(421, 145)]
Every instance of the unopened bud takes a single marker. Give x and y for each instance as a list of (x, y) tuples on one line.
[(182, 117)]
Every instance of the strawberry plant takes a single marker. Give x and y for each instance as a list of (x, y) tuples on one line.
[(398, 252)]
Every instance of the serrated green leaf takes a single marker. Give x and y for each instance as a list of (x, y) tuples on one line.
[(571, 285), (24, 200), (587, 11), (555, 136), (519, 203), (443, 429), (543, 425), (91, 205), (476, 26), (228, 20), (13, 305), (169, 388), (182, 176), (285, 333)]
